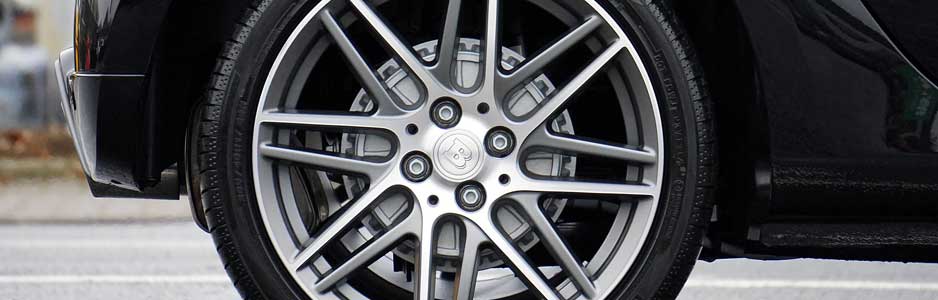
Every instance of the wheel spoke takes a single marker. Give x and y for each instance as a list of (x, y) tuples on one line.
[(491, 58), (375, 87), (343, 220), (542, 137), (535, 65), (374, 170), (345, 122), (372, 250), (424, 267), (468, 267), (400, 49), (586, 187), (448, 42), (523, 268), (560, 99), (555, 244)]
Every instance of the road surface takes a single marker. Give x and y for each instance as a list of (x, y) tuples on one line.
[(176, 261)]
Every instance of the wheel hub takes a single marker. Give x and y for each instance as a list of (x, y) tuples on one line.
[(458, 156)]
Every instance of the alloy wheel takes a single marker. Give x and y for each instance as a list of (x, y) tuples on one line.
[(456, 159)]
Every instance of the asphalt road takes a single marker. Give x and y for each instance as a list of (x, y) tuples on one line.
[(176, 261)]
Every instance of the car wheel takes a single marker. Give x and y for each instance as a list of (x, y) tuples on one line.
[(411, 149)]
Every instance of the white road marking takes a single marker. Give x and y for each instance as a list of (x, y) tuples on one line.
[(112, 279), (810, 284), (105, 244)]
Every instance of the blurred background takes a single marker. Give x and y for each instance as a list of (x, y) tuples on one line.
[(58, 242), (33, 143)]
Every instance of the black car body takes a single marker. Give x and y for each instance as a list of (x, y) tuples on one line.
[(828, 113)]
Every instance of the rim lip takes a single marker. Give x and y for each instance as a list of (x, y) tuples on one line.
[(650, 95)]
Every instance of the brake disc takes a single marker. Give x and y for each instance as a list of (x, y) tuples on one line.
[(405, 89)]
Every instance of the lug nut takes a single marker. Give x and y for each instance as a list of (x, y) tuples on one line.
[(445, 113), (471, 196), (416, 167), (500, 142)]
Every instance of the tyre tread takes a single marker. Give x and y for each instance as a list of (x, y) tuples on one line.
[(210, 150)]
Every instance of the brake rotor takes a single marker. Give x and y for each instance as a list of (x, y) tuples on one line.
[(405, 89)]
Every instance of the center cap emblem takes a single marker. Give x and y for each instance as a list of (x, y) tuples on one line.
[(458, 155)]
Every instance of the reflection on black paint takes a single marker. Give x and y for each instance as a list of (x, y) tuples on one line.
[(913, 100)]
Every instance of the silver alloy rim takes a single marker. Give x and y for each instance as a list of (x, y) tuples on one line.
[(457, 155)]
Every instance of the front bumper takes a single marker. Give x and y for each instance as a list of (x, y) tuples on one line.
[(100, 110)]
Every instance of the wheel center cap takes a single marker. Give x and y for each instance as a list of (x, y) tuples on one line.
[(458, 155)]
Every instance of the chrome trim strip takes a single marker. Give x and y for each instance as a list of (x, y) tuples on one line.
[(64, 74), (73, 74)]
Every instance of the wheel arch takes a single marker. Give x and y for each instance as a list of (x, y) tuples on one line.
[(719, 35), (178, 77), (180, 74)]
